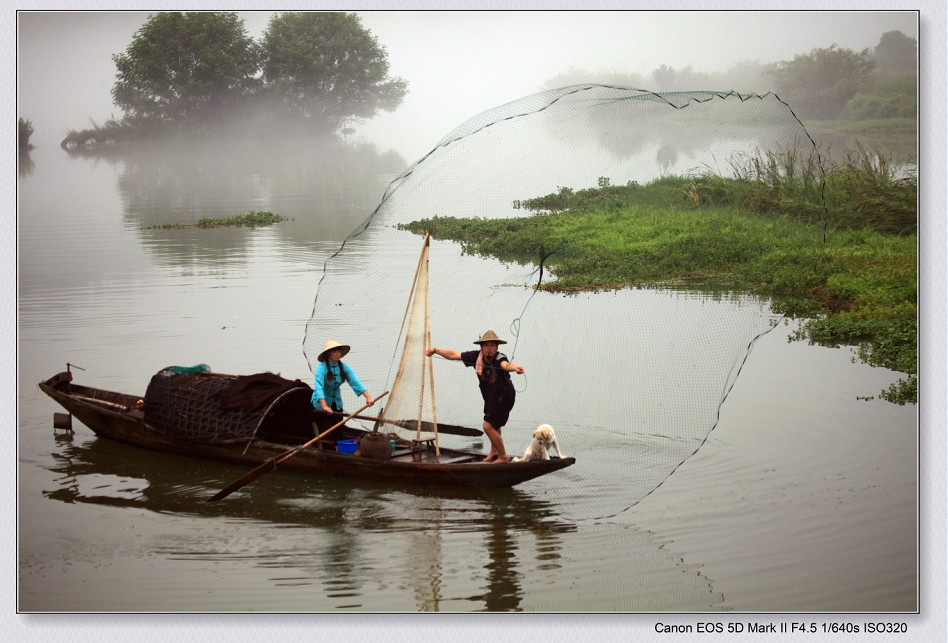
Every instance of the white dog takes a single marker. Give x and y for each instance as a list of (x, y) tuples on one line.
[(544, 439)]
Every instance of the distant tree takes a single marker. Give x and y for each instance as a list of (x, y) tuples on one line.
[(186, 67), (24, 131), (877, 105), (687, 79), (896, 54), (817, 85), (664, 77), (575, 76), (744, 76), (325, 67)]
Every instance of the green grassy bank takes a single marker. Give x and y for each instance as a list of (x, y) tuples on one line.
[(846, 263)]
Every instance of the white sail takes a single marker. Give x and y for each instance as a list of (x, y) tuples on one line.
[(412, 401)]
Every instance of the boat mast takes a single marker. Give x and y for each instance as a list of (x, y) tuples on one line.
[(427, 360)]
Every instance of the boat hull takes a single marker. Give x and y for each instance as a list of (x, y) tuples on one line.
[(114, 416)]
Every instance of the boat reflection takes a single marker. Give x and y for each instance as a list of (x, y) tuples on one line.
[(455, 550)]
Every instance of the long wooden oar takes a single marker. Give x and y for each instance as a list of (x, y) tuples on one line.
[(449, 429), (270, 465)]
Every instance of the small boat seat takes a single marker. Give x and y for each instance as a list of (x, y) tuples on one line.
[(420, 447), (424, 443)]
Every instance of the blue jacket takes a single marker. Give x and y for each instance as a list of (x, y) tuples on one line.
[(328, 384)]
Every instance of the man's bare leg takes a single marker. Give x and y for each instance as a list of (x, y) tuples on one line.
[(497, 452)]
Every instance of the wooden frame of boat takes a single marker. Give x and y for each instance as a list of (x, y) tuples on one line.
[(116, 416)]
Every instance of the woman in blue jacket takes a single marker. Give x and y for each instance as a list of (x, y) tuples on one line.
[(327, 386)]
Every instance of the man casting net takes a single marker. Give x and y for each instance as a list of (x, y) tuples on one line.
[(630, 377)]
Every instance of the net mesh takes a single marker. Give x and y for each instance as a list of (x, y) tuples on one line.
[(631, 379), (193, 404), (186, 405)]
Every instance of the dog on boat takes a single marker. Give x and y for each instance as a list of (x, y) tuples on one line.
[(544, 439)]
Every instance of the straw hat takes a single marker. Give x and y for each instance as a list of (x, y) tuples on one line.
[(490, 336), (331, 344)]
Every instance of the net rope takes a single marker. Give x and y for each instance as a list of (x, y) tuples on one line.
[(631, 379)]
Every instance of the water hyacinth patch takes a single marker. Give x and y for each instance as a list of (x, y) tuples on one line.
[(251, 219)]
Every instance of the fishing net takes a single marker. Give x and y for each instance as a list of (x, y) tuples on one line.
[(190, 403), (631, 379)]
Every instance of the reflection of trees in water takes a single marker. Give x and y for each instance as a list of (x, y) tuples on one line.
[(25, 164), (574, 136), (326, 188), (840, 148), (643, 136), (666, 157)]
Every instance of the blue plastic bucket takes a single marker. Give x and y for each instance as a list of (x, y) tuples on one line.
[(347, 447)]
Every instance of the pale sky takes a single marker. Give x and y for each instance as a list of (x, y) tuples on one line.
[(457, 63)]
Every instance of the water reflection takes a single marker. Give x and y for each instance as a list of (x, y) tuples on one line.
[(326, 188), (666, 157), (683, 131), (25, 164), (503, 589), (439, 544)]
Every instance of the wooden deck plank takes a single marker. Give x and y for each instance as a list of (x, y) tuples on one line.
[(456, 460)]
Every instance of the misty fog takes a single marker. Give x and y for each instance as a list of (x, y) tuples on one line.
[(458, 64)]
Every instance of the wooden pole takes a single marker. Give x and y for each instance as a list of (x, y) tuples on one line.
[(270, 465), (429, 362)]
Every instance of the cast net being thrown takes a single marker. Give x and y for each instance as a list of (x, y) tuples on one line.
[(631, 378)]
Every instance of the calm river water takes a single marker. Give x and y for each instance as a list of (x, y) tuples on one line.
[(803, 499)]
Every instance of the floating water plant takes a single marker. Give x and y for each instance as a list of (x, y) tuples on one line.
[(251, 219)]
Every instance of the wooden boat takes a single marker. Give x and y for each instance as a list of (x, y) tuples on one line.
[(259, 418), (116, 416)]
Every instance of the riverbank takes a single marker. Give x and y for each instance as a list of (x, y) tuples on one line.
[(853, 282)]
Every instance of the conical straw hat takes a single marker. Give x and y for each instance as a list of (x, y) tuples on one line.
[(331, 344), (490, 336)]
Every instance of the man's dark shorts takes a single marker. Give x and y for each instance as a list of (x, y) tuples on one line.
[(497, 412)]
